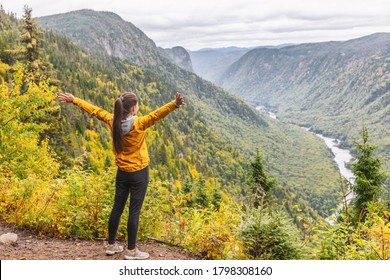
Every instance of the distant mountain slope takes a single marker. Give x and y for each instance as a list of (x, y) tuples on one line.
[(333, 87), (179, 56), (287, 150), (210, 63)]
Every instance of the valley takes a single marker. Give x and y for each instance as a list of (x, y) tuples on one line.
[(233, 174), (335, 88)]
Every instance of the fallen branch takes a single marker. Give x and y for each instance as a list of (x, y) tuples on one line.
[(164, 242)]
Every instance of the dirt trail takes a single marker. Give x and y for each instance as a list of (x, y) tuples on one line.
[(32, 247)]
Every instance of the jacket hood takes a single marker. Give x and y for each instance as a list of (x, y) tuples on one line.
[(127, 124)]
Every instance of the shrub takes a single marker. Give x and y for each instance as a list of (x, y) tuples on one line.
[(271, 235)]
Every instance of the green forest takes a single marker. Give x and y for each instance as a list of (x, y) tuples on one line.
[(209, 193)]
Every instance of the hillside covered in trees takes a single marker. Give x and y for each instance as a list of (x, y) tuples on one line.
[(333, 87), (56, 163)]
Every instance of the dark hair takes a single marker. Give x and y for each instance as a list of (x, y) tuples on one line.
[(122, 108)]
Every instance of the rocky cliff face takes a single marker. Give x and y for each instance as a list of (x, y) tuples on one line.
[(179, 56)]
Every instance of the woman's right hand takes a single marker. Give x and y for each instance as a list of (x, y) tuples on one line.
[(66, 97), (179, 99)]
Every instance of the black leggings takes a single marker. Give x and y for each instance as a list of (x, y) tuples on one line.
[(135, 184)]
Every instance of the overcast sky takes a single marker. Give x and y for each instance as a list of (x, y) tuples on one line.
[(222, 23)]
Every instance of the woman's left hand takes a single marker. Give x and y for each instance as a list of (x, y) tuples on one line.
[(179, 99), (66, 97)]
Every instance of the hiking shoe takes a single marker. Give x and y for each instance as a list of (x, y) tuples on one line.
[(136, 255), (113, 248)]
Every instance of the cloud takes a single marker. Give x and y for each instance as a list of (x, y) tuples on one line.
[(221, 23)]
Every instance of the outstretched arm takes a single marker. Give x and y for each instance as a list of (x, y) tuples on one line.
[(95, 111), (152, 118)]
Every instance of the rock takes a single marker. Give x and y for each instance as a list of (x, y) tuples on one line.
[(9, 238)]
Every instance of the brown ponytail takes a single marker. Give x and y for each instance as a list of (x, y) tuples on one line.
[(122, 108)]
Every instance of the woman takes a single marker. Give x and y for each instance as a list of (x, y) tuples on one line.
[(132, 160)]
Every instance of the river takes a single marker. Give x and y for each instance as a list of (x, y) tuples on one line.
[(341, 156)]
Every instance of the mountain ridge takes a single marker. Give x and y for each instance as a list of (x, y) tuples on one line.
[(332, 87), (100, 25)]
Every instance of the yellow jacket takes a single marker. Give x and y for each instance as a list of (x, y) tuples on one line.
[(134, 155)]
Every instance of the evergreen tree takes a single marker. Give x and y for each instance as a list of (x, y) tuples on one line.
[(201, 199), (187, 185), (31, 37), (259, 182), (270, 235), (216, 198), (369, 178), (30, 51)]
